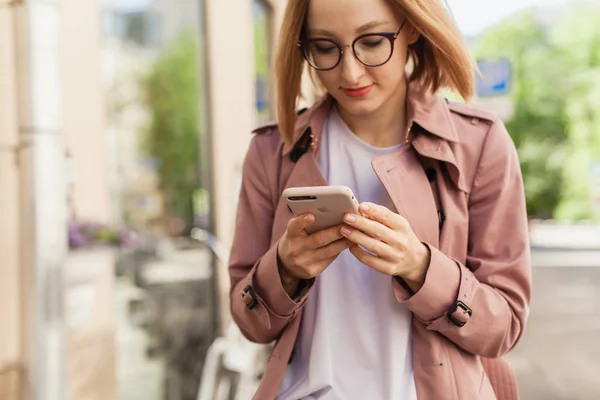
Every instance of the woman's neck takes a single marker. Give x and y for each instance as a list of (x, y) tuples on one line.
[(384, 127)]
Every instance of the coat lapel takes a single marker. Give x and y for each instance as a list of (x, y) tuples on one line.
[(407, 185), (438, 149)]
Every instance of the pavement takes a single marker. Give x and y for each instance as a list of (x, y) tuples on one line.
[(558, 357)]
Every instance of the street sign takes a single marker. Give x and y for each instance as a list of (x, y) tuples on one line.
[(493, 87), (495, 79)]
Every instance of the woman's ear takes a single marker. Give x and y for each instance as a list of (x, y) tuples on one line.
[(412, 35)]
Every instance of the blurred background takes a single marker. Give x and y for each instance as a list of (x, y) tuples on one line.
[(123, 127)]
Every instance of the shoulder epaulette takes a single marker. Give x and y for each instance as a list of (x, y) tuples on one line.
[(269, 126), (468, 110)]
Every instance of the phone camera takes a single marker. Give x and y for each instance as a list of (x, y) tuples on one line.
[(302, 198)]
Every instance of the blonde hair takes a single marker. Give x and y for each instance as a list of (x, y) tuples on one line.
[(439, 58)]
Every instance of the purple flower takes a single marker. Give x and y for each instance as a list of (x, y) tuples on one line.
[(87, 233)]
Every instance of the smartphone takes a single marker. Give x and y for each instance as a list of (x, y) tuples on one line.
[(328, 204)]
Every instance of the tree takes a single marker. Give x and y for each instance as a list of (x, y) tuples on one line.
[(556, 93), (578, 38), (172, 138), (539, 124)]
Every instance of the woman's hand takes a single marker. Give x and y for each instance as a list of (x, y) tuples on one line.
[(304, 256), (395, 249)]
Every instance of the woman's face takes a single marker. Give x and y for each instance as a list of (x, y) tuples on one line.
[(360, 90)]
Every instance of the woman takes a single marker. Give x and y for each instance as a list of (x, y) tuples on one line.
[(411, 297)]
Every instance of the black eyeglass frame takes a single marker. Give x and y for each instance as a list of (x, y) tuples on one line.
[(391, 36)]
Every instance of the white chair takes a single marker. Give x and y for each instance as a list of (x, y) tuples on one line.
[(232, 367), (233, 364)]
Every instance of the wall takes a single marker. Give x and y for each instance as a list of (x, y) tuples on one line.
[(84, 107), (88, 275), (9, 210), (231, 99), (84, 131)]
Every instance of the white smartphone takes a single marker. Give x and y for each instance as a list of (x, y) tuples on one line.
[(328, 204)]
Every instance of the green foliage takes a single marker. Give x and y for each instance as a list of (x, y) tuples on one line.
[(556, 92), (579, 37), (262, 61), (172, 139), (261, 37)]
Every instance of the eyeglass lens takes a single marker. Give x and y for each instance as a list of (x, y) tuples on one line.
[(371, 50)]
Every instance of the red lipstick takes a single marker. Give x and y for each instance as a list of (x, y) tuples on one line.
[(358, 92)]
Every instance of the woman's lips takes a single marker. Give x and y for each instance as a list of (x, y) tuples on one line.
[(358, 92)]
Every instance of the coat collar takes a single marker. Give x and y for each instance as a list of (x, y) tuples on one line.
[(424, 108), (429, 111)]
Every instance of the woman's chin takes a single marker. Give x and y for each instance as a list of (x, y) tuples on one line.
[(359, 107)]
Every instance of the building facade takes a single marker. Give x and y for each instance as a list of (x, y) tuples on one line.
[(234, 47)]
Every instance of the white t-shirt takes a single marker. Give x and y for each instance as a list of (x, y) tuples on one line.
[(355, 338)]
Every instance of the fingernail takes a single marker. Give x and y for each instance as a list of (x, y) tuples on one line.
[(364, 207), (350, 218), (308, 218), (345, 231)]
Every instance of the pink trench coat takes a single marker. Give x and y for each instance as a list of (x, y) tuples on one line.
[(459, 185)]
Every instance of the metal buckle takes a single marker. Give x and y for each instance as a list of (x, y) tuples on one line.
[(253, 303), (454, 308)]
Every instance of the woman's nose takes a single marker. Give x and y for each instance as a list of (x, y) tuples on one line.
[(352, 69)]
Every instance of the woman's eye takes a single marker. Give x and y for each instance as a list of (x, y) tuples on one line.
[(324, 49), (372, 42)]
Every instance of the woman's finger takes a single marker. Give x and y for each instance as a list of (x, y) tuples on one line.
[(370, 260), (334, 249), (381, 249), (296, 225), (384, 215), (373, 228), (322, 238)]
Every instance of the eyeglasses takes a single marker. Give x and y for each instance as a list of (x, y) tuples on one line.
[(371, 49)]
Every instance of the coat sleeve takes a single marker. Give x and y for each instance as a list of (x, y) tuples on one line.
[(259, 304), (490, 295)]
